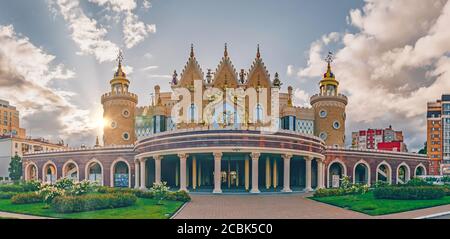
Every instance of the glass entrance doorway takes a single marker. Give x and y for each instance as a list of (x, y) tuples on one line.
[(233, 172)]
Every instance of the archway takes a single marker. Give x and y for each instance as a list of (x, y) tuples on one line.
[(336, 171), (121, 175), (31, 172), (361, 173), (403, 174), (94, 172), (384, 173), (49, 172), (420, 170), (70, 171)]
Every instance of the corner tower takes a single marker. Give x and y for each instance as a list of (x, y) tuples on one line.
[(119, 109), (329, 109)]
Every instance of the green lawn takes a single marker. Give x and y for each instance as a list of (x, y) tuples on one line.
[(369, 205), (143, 209)]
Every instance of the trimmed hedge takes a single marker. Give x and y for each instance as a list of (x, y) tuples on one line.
[(7, 195), (91, 202), (409, 193), (12, 188), (173, 196), (26, 198)]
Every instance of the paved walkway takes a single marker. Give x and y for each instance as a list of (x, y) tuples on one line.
[(293, 206), (19, 216), (261, 207)]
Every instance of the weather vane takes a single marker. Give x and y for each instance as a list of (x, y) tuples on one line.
[(120, 57), (329, 57)]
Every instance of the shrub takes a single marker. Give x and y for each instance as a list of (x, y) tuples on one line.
[(49, 192), (160, 191), (11, 188), (26, 198), (80, 188), (417, 182), (91, 202), (7, 195), (64, 184), (181, 196), (31, 186), (380, 184), (409, 192), (347, 189), (144, 194), (446, 179)]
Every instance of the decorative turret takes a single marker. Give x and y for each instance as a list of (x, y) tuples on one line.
[(159, 116), (119, 108), (329, 109)]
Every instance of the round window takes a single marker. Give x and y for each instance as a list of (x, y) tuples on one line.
[(336, 125), (126, 136), (113, 124), (323, 135), (126, 113), (323, 113)]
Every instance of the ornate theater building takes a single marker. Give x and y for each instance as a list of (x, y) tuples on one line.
[(233, 148)]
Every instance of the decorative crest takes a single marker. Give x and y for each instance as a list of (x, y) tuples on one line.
[(330, 58), (258, 54), (192, 50), (225, 53)]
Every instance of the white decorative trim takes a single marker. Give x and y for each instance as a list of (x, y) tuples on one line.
[(44, 167), (389, 168), (86, 170), (338, 161), (111, 171), (408, 172), (368, 170), (66, 164), (422, 166), (27, 176)]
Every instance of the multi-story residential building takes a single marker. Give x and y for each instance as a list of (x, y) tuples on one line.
[(12, 146), (438, 135), (381, 139), (10, 121)]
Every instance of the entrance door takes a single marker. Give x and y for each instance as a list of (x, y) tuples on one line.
[(232, 173)]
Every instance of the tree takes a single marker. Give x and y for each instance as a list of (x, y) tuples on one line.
[(424, 150), (15, 168)]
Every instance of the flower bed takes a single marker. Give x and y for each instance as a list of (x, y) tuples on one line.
[(26, 198), (91, 202), (7, 195), (410, 192)]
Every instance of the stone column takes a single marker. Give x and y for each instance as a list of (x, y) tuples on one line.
[(247, 173), (136, 174), (287, 173), (217, 172), (320, 174), (194, 172), (142, 174), (183, 159), (308, 160), (255, 157), (157, 168)]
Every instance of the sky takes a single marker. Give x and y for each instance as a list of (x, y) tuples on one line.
[(58, 56)]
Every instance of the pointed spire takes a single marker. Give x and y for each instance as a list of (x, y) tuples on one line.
[(192, 50), (329, 59), (225, 53), (97, 143), (258, 54), (119, 59), (290, 96)]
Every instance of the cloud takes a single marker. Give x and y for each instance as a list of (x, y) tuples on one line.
[(395, 61), (85, 32), (301, 98), (135, 31), (149, 68), (27, 68), (290, 70)]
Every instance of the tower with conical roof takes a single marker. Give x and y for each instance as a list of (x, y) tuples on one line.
[(329, 109), (119, 107)]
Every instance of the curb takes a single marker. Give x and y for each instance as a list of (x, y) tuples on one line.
[(179, 210), (433, 215)]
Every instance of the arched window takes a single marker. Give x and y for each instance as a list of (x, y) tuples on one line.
[(259, 113), (402, 174), (192, 113), (383, 173), (95, 173), (50, 174), (71, 171), (121, 175), (336, 173), (361, 175)]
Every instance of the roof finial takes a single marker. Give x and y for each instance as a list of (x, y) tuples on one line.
[(258, 54), (120, 58), (192, 50), (329, 58), (97, 143), (225, 53)]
